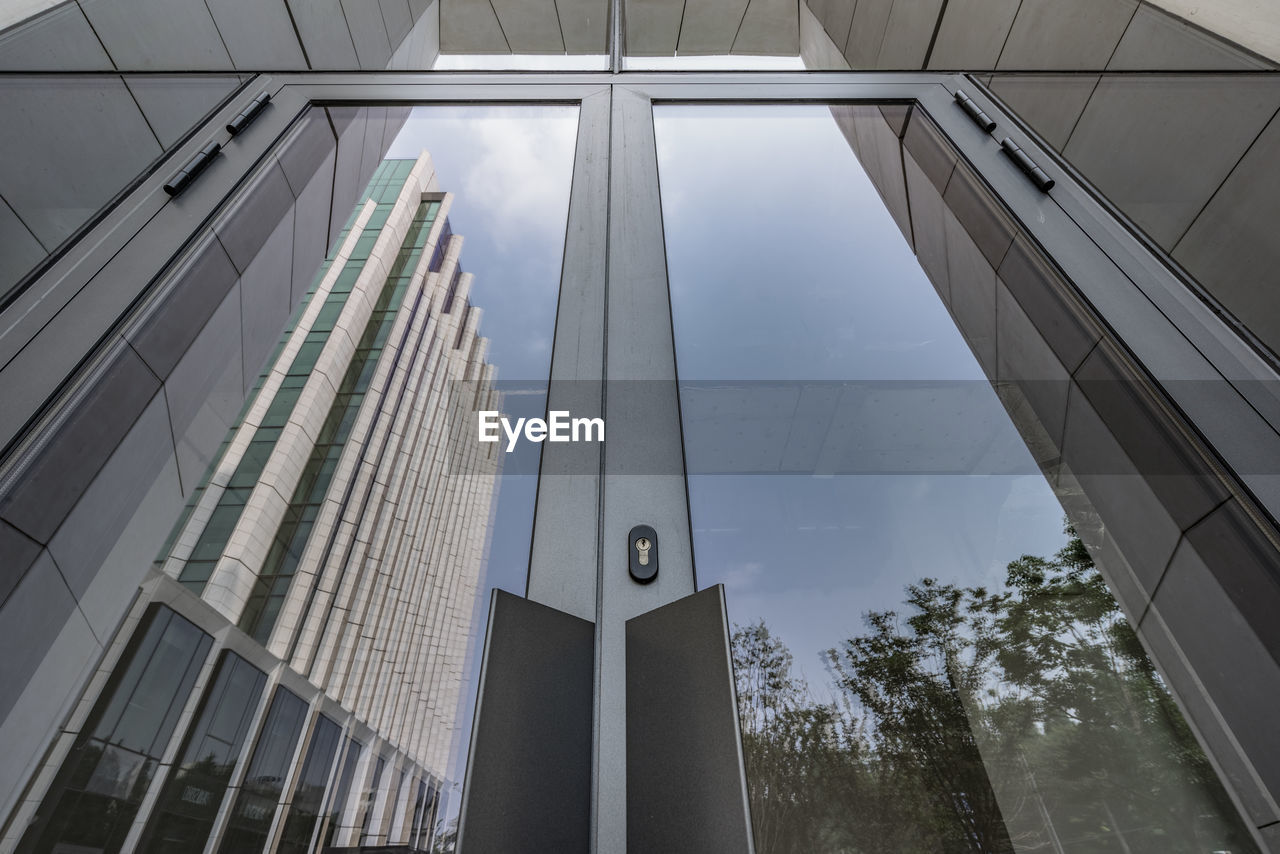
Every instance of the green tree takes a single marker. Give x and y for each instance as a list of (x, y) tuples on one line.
[(1023, 719)]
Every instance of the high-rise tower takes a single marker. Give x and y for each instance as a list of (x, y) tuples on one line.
[(289, 673)]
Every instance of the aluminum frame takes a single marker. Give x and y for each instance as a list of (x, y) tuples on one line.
[(613, 318)]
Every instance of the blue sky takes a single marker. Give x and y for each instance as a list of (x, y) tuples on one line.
[(784, 266)]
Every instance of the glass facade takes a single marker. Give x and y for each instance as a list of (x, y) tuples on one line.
[(962, 489), (183, 817), (102, 781), (265, 777), (925, 660)]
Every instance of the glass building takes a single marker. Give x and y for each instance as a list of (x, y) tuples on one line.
[(935, 342)]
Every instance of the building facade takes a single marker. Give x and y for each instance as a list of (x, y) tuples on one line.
[(288, 675), (1125, 316)]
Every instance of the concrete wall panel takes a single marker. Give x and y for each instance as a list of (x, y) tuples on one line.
[(59, 40), (158, 35), (1049, 35), (1138, 135), (258, 33)]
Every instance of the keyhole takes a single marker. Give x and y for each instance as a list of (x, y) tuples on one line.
[(642, 546)]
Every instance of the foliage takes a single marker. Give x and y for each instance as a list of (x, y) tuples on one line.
[(1023, 719)]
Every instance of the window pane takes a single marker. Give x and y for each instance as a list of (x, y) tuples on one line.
[(93, 801), (255, 805), (189, 801), (925, 659)]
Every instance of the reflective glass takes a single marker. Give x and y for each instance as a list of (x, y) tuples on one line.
[(926, 656), (308, 794), (350, 509), (103, 779), (189, 801), (264, 779)]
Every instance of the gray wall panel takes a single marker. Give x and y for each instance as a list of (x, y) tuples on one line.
[(866, 33), (20, 552), (398, 20), (653, 26), (1138, 134), (60, 472), (583, 24), (908, 33), (206, 389), (531, 26), (972, 33), (59, 40), (1050, 103), (346, 180), (368, 32), (1051, 35), (176, 314), (836, 16), (1231, 247), (1156, 39), (173, 105), (769, 27), (160, 35), (470, 26), (258, 33), (244, 226), (70, 144), (265, 296), (21, 249), (323, 28), (311, 228), (308, 145), (709, 27), (30, 620), (111, 537), (66, 654), (1234, 662)]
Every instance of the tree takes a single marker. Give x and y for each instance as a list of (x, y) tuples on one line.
[(1023, 719)]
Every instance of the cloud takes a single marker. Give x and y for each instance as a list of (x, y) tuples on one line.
[(510, 167)]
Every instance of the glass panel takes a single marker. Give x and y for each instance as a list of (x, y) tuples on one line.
[(927, 657), (338, 803), (347, 520), (189, 801), (308, 795), (101, 783), (255, 806)]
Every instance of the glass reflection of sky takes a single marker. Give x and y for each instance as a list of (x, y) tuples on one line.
[(784, 266), (509, 169)]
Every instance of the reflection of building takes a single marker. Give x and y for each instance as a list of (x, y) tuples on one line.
[(290, 674)]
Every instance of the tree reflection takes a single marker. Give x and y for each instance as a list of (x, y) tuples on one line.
[(1022, 719)]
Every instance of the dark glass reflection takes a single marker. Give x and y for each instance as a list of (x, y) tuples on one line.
[(255, 805), (927, 658), (189, 801), (102, 781), (308, 794), (338, 800)]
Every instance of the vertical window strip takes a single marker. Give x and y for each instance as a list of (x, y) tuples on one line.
[(275, 577), (222, 522)]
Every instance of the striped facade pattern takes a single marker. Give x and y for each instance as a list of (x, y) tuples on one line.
[(370, 626)]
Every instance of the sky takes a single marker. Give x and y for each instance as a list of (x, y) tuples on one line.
[(510, 170), (785, 267)]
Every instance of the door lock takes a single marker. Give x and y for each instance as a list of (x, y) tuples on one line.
[(642, 553)]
